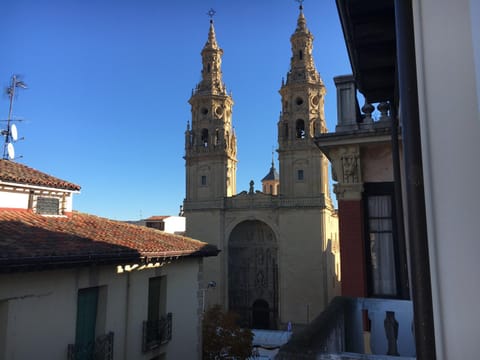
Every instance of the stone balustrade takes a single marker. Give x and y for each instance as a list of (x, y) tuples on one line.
[(349, 116)]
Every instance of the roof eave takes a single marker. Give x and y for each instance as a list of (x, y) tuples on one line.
[(369, 32), (64, 262)]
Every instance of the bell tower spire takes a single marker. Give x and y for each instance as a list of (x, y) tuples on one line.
[(210, 141), (303, 169)]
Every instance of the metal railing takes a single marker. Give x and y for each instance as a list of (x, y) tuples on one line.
[(100, 349), (156, 332), (353, 326)]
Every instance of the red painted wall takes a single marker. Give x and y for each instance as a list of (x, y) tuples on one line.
[(352, 248)]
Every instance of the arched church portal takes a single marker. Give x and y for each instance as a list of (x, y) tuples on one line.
[(253, 274)]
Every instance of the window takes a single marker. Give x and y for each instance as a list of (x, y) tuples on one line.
[(300, 129), (159, 225), (48, 206), (87, 302), (381, 241), (300, 55), (205, 137), (91, 342), (300, 175), (157, 329), (156, 297), (203, 180)]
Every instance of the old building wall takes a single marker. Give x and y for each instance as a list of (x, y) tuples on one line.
[(49, 300)]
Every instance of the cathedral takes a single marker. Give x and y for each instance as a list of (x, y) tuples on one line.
[(279, 260)]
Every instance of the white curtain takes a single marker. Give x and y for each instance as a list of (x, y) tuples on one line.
[(382, 245)]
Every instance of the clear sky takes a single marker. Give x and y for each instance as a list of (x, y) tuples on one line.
[(109, 83)]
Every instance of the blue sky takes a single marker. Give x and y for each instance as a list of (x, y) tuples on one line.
[(109, 83)]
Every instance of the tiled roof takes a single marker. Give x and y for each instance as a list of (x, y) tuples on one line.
[(14, 172), (156, 218), (29, 241), (272, 174)]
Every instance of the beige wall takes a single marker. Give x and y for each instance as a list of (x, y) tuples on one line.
[(306, 283), (38, 310), (377, 163), (208, 226)]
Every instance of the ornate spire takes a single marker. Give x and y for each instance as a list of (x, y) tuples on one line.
[(212, 40), (301, 22), (302, 67), (211, 82)]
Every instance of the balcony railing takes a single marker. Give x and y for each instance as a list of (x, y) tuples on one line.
[(350, 117), (100, 349), (341, 332), (156, 332)]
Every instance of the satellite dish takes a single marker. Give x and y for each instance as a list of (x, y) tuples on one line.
[(11, 151), (14, 132)]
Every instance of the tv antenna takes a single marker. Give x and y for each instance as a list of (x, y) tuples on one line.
[(11, 133)]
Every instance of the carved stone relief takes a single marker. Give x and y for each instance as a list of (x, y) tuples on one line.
[(350, 168)]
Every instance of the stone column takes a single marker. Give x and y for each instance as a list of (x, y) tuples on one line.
[(349, 190)]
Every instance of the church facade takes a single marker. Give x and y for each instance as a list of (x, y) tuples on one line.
[(279, 259)]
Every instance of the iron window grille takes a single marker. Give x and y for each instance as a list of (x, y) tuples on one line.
[(100, 349), (157, 332)]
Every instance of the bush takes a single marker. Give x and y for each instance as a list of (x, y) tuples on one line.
[(223, 338)]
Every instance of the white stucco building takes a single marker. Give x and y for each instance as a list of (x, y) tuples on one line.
[(73, 284), (168, 223)]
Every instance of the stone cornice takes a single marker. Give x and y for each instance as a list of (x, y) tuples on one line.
[(258, 200), (348, 191)]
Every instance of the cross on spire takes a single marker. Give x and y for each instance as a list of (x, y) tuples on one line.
[(301, 3), (211, 13)]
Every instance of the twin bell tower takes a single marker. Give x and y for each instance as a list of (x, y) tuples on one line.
[(278, 261)]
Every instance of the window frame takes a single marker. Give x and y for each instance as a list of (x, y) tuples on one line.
[(381, 189)]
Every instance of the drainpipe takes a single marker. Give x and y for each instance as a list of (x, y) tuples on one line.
[(402, 252), (416, 217), (127, 316)]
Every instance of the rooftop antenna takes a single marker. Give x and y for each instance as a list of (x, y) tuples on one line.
[(11, 133)]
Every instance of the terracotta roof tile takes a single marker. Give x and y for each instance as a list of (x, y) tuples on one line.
[(156, 218), (28, 240), (14, 172)]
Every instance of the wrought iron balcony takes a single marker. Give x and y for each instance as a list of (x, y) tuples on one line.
[(100, 349), (341, 332), (156, 332)]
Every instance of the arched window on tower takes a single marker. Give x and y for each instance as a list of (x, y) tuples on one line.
[(208, 68), (300, 55), (300, 129), (205, 137), (217, 137), (285, 134)]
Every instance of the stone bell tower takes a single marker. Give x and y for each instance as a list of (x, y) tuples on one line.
[(303, 169), (276, 264), (210, 143)]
